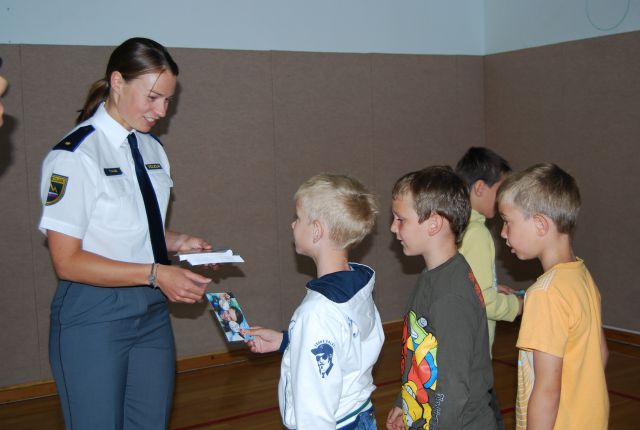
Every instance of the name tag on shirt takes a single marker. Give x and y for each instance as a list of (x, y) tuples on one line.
[(112, 171)]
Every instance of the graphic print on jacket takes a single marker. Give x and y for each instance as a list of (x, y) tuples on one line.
[(324, 357), (420, 366)]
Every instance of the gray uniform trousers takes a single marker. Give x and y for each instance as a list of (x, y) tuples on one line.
[(112, 354)]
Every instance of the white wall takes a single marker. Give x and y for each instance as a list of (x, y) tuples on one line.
[(517, 24), (384, 26), (465, 27)]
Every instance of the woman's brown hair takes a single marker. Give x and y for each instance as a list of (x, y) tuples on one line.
[(133, 58)]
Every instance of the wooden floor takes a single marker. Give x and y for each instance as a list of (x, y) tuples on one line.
[(243, 395)]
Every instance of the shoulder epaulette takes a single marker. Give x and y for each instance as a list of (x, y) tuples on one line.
[(156, 138), (72, 141)]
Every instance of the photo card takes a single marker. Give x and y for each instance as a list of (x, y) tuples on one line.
[(229, 315)]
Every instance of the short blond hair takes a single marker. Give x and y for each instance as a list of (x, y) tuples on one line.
[(544, 189), (342, 203)]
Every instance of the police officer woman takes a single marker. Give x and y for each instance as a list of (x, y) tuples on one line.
[(105, 190)]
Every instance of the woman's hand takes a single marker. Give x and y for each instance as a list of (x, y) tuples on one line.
[(180, 242), (181, 285)]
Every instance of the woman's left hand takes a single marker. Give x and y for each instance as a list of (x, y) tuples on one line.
[(180, 242)]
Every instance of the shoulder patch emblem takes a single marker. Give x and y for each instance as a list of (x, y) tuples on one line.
[(57, 187), (154, 166), (72, 141), (324, 358), (112, 171)]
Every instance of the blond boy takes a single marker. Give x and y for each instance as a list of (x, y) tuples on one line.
[(446, 369), (335, 335), (561, 381)]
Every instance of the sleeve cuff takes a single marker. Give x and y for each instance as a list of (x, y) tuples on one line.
[(285, 342), (514, 306), (60, 227)]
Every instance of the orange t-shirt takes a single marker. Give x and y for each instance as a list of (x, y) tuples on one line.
[(562, 317)]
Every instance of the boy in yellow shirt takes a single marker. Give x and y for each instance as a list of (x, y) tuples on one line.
[(561, 381), (483, 171)]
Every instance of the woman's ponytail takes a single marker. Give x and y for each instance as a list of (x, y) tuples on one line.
[(98, 93)]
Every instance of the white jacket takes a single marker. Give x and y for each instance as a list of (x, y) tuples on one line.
[(335, 337)]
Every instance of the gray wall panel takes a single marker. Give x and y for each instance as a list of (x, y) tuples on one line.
[(322, 111), (55, 80), (248, 127), (601, 134), (469, 104), (578, 105), (417, 118), (220, 144), (18, 338)]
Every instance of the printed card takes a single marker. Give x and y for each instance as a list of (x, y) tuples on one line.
[(230, 316)]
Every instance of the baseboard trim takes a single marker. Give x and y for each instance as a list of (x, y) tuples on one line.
[(622, 336), (31, 390)]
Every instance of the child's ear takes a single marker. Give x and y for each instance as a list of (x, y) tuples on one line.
[(434, 224), (541, 223), (318, 231), (478, 187)]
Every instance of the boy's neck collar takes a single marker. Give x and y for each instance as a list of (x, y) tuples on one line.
[(557, 251), (476, 214), (331, 262), (440, 255)]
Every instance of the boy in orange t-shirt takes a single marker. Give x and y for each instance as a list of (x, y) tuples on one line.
[(561, 381)]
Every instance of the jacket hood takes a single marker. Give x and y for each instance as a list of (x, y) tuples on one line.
[(351, 291)]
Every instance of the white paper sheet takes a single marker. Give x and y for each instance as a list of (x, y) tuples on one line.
[(196, 258)]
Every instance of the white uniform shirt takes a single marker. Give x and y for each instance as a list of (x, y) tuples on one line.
[(96, 197)]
